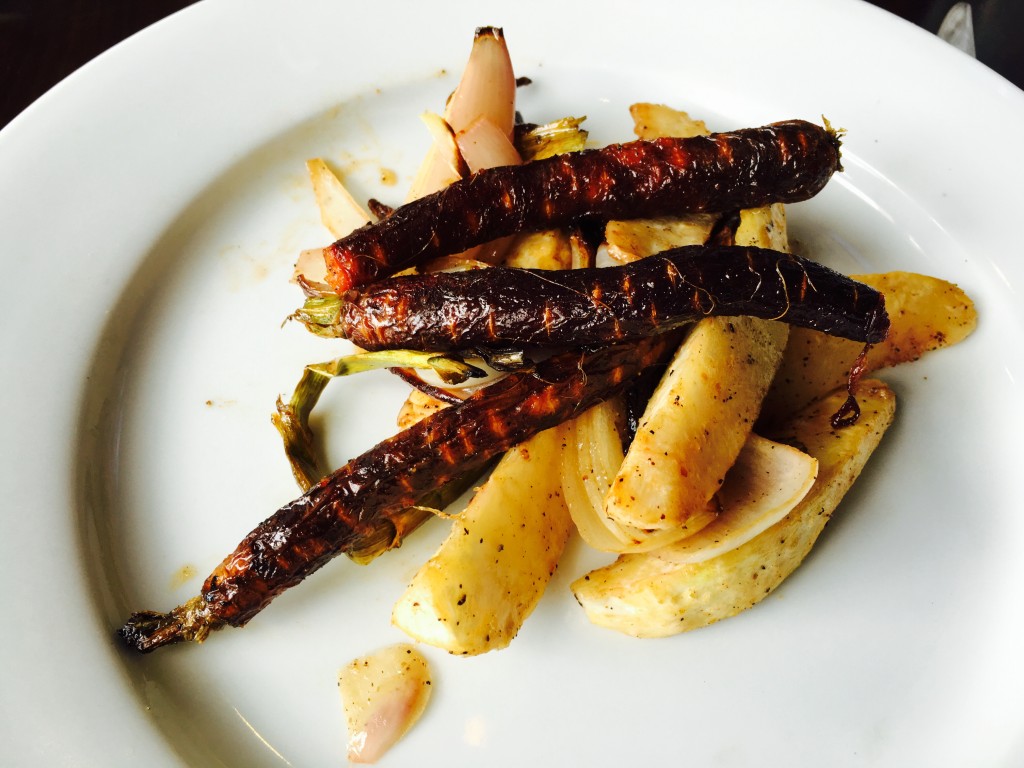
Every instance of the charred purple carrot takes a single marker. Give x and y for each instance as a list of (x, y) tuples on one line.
[(782, 162), (500, 308), (354, 503)]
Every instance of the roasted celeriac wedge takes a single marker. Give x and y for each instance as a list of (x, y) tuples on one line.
[(925, 314), (638, 238), (650, 595), (702, 410), (592, 457), (475, 593), (766, 480), (695, 424), (654, 121)]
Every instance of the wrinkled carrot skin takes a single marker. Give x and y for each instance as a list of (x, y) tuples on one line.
[(500, 308), (346, 506), (782, 162)]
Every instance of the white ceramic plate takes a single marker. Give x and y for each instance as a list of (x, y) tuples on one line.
[(152, 207)]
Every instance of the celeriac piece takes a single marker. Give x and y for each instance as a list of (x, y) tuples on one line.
[(654, 121), (925, 313), (592, 457), (695, 424), (702, 410), (418, 405), (650, 596), (475, 593), (638, 238), (383, 693)]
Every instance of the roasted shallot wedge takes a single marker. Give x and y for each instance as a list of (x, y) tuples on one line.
[(592, 456), (766, 481), (488, 85), (383, 694)]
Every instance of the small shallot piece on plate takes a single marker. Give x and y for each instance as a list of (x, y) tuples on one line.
[(383, 693)]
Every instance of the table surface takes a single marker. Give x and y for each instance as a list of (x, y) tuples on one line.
[(43, 41)]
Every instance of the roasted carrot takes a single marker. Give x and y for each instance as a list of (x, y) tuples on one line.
[(503, 308), (355, 503), (782, 162)]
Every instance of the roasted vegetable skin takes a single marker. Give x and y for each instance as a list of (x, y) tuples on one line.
[(350, 505), (500, 308), (783, 162)]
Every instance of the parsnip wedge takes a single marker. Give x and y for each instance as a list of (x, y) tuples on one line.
[(638, 238), (925, 314), (592, 457), (383, 693), (475, 593), (695, 424), (653, 121), (703, 409), (649, 596)]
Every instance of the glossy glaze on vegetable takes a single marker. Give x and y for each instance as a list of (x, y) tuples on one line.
[(782, 162), (502, 308), (351, 505)]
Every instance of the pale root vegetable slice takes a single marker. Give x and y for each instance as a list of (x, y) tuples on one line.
[(695, 424), (647, 596), (339, 211), (475, 593), (654, 121), (417, 406), (764, 227), (925, 314), (702, 410), (548, 249), (383, 693), (766, 482), (590, 461), (638, 238)]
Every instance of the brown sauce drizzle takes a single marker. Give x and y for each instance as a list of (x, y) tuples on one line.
[(849, 412)]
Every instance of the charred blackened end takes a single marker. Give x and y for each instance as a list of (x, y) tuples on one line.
[(495, 32), (836, 137), (878, 324), (146, 631)]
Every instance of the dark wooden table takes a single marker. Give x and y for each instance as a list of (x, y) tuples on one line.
[(42, 41)]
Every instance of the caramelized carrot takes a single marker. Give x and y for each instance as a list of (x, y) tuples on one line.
[(357, 501), (782, 162), (501, 308)]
